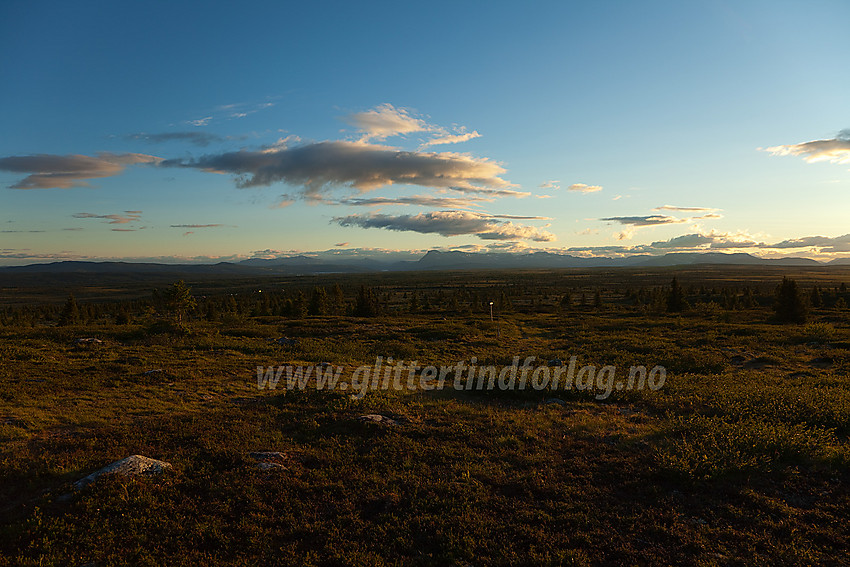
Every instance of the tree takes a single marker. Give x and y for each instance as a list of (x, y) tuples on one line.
[(675, 297), (179, 300), (337, 300), (789, 305), (815, 297), (70, 312), (318, 302), (367, 303)]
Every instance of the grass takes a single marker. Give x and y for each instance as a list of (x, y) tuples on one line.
[(728, 463)]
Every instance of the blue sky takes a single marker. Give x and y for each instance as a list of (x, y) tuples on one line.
[(210, 131)]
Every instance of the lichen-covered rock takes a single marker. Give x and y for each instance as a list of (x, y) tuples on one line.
[(135, 465)]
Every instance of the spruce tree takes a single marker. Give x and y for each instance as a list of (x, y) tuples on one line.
[(789, 305), (70, 314), (675, 297)]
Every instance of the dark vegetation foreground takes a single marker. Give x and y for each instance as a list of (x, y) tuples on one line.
[(740, 458)]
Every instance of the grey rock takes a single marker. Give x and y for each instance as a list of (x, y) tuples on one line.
[(378, 419), (135, 465)]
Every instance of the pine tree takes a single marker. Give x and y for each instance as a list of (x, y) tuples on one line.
[(789, 305)]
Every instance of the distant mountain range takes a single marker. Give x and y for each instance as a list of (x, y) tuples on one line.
[(433, 260)]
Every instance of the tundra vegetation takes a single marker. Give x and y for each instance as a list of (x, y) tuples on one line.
[(741, 458)]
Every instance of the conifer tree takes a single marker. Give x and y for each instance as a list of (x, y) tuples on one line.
[(70, 314), (675, 297), (789, 305)]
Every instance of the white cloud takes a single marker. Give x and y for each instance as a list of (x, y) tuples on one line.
[(833, 150), (451, 139), (386, 120)]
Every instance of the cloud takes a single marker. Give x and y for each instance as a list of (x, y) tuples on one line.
[(451, 139), (230, 111), (695, 242), (833, 150), (824, 244), (686, 209), (196, 138), (449, 223), (63, 172), (200, 121), (649, 220), (385, 120), (127, 217), (341, 244), (553, 184), (584, 188), (123, 230), (197, 225), (356, 164), (421, 200)]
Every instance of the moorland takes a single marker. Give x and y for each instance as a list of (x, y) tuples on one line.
[(740, 458)]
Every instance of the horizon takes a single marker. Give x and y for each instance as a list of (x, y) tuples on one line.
[(339, 132)]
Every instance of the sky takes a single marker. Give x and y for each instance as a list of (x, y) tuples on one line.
[(220, 131)]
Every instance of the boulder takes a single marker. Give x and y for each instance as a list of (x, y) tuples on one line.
[(377, 419), (135, 465)]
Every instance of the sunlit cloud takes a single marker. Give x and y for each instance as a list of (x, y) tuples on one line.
[(127, 217), (386, 120), (553, 184), (686, 209), (197, 225), (648, 220), (823, 244), (421, 200), (449, 223), (63, 172), (584, 188), (833, 150), (365, 167), (451, 139)]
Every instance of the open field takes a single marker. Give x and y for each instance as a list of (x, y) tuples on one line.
[(740, 458)]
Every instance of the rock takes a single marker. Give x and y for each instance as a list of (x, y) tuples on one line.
[(555, 362), (268, 460), (285, 341), (555, 401), (87, 341), (154, 371), (377, 419), (135, 465)]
